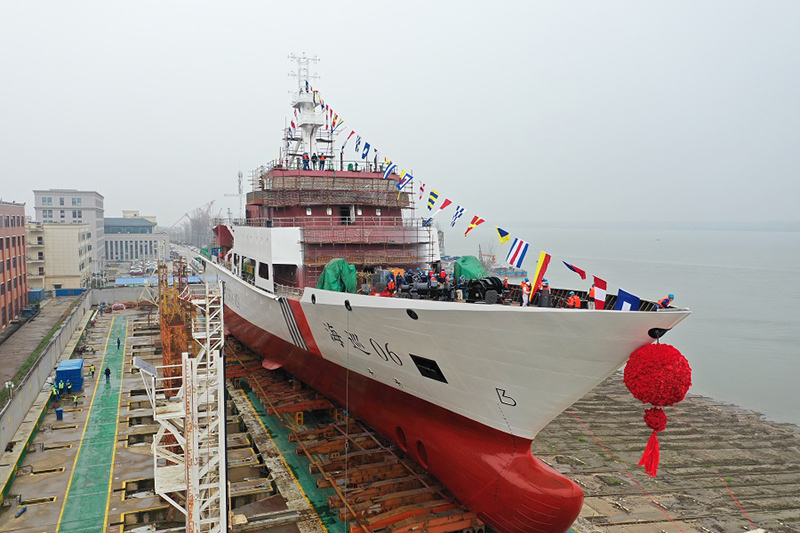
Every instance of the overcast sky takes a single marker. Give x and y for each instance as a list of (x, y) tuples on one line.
[(532, 111)]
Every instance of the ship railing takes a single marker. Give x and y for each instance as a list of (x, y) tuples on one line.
[(322, 222), (286, 291), (295, 162)]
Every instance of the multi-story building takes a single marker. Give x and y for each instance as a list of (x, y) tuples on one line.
[(60, 257), (71, 206), (13, 276), (132, 237)]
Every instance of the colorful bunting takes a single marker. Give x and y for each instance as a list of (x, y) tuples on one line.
[(432, 197), (476, 221), (365, 153), (444, 204), (405, 179), (516, 255), (358, 143), (575, 269), (599, 293), (626, 301), (421, 190), (459, 212), (502, 234), (541, 268), (389, 169)]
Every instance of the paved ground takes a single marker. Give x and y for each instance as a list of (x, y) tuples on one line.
[(89, 486), (24, 341), (722, 468)]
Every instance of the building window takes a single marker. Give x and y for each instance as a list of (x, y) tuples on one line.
[(61, 201), (41, 271), (41, 256), (263, 270), (79, 201), (63, 214)]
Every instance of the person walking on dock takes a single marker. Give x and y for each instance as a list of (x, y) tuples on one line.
[(69, 387), (75, 401), (91, 370), (60, 387), (118, 343), (108, 375), (55, 393)]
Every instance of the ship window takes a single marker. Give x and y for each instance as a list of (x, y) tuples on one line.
[(378, 211), (329, 211), (263, 270), (308, 211), (358, 211), (428, 368)]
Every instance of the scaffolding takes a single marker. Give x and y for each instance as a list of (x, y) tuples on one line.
[(189, 446)]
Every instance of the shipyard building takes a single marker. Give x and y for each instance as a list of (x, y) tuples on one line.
[(60, 257), (71, 206), (13, 278), (134, 237)]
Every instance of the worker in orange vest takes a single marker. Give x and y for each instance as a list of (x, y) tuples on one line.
[(573, 302), (590, 300), (664, 302), (390, 286)]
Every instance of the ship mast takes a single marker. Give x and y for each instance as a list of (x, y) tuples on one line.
[(305, 103)]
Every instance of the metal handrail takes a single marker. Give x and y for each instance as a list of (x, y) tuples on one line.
[(331, 221), (331, 163)]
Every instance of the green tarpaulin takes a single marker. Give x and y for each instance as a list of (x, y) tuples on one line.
[(470, 267), (338, 276)]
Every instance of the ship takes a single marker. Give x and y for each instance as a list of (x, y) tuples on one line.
[(461, 388)]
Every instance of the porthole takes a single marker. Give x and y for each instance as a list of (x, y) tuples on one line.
[(401, 438), (423, 455), (412, 314), (347, 305), (313, 298)]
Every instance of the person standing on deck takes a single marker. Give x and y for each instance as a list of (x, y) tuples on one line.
[(108, 374), (75, 401), (118, 343), (322, 161), (60, 387), (665, 302), (526, 292), (590, 298), (55, 393), (314, 160), (69, 387), (91, 370), (573, 302), (305, 160)]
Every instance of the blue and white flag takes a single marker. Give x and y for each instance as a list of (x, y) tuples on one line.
[(405, 179), (365, 153), (626, 302), (358, 143), (389, 169), (517, 253), (456, 216)]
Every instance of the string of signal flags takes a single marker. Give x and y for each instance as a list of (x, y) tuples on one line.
[(517, 253)]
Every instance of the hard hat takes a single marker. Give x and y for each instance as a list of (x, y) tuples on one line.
[(572, 293), (671, 296), (526, 279)]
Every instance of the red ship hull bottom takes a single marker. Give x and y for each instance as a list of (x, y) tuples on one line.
[(494, 474)]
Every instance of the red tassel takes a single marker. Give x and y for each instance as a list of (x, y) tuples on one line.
[(651, 455)]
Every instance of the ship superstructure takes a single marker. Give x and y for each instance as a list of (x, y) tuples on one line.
[(461, 388)]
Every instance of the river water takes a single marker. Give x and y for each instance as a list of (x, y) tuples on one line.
[(743, 287)]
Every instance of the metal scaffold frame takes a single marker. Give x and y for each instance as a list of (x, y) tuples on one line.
[(189, 447)]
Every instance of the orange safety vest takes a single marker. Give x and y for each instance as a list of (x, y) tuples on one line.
[(591, 293), (390, 285), (574, 301)]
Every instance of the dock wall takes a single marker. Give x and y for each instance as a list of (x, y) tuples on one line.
[(26, 391), (110, 295)]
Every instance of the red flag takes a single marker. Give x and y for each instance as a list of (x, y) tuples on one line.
[(599, 293), (476, 221), (575, 269)]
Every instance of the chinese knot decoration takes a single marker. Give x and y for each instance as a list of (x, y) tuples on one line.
[(660, 375)]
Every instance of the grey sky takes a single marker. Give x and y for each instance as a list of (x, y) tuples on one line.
[(518, 111)]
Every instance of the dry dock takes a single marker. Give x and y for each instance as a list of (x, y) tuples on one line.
[(290, 450)]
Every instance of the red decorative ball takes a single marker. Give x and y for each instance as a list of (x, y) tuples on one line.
[(658, 374), (655, 418)]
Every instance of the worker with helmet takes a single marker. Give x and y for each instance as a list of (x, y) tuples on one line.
[(573, 302), (526, 291), (664, 302)]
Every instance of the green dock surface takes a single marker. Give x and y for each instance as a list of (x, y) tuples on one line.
[(86, 503)]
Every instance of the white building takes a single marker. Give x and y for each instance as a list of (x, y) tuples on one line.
[(60, 258), (132, 237), (71, 206)]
